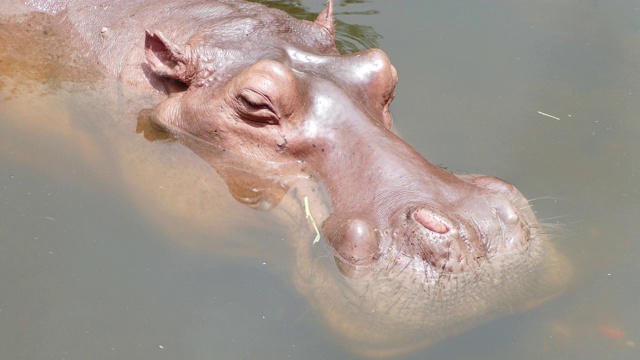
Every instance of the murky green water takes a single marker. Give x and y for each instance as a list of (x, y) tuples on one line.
[(84, 275)]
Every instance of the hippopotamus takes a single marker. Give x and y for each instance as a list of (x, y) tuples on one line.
[(417, 252)]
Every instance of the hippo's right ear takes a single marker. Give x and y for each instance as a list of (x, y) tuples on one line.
[(325, 18), (166, 58)]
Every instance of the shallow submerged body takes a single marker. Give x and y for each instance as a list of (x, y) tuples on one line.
[(421, 253)]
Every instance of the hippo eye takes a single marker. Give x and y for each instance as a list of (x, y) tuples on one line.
[(257, 107)]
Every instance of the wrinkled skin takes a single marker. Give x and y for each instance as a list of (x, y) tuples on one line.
[(422, 253)]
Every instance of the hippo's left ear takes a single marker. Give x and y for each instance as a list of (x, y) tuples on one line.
[(325, 19), (166, 58)]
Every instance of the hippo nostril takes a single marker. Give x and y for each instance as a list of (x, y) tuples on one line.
[(426, 219), (355, 240)]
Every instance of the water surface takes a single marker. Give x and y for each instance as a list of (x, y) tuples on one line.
[(86, 275)]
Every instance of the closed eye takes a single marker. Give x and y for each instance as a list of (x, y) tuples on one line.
[(257, 107), (252, 105)]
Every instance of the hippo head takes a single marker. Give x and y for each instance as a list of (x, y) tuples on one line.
[(428, 251)]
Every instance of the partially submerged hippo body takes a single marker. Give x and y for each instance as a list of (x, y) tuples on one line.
[(422, 253)]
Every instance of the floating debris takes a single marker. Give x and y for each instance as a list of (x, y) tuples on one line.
[(551, 116), (313, 222), (612, 332)]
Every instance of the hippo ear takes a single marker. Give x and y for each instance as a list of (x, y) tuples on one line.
[(325, 19), (166, 58)]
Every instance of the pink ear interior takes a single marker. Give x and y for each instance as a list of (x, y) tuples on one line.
[(325, 18), (165, 58)]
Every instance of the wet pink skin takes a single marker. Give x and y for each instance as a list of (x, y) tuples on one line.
[(256, 82), (243, 78)]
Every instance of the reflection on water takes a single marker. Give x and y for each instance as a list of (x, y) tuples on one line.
[(84, 275)]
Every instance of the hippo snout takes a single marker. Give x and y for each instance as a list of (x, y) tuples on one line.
[(511, 218), (456, 237), (443, 243)]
